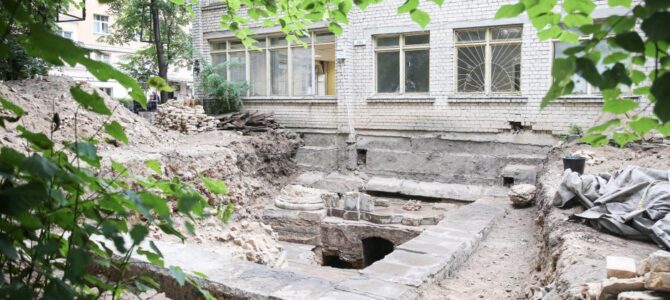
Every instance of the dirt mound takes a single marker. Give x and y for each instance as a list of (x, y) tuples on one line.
[(41, 98), (255, 167), (573, 252)]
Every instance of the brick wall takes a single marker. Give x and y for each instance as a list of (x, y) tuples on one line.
[(443, 110)]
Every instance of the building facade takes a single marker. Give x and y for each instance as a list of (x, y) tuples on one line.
[(465, 76), (88, 33)]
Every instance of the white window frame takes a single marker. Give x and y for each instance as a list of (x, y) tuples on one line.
[(103, 57), (264, 44), (401, 48), (98, 23), (64, 33), (488, 42)]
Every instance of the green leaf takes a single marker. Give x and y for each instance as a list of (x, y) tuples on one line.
[(92, 102), (159, 84), (22, 198), (39, 141), (408, 6), (615, 57), (619, 106), (637, 76), (188, 202), (119, 168), (569, 37), (420, 17), (154, 165), (39, 166), (657, 25), (6, 247), (138, 233), (577, 20), (86, 152), (563, 68), (115, 130), (152, 257), (630, 41), (228, 212), (335, 28), (17, 110), (438, 2), (623, 138), (596, 140), (643, 125), (588, 70), (215, 186), (603, 127), (157, 203), (624, 3), (510, 10), (549, 33), (584, 6), (178, 274), (660, 88)]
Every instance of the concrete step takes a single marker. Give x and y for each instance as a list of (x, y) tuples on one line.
[(450, 191), (317, 158)]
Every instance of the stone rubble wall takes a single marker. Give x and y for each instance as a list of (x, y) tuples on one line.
[(173, 115)]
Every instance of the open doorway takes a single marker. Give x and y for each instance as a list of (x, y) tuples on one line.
[(375, 248)]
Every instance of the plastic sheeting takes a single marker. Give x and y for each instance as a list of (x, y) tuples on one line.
[(633, 202)]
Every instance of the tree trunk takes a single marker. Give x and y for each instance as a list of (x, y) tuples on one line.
[(158, 43)]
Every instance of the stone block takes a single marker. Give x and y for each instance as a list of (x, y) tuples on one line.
[(378, 219), (336, 212), (613, 286), (377, 288), (520, 173), (659, 261), (340, 183), (351, 215), (350, 200), (642, 295), (411, 221), (620, 267), (522, 195), (657, 281)]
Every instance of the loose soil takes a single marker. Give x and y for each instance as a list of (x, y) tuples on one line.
[(502, 264)]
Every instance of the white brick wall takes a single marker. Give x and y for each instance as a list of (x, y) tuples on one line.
[(446, 112)]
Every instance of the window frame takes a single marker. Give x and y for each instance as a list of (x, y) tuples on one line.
[(488, 44), (401, 48), (266, 47), (99, 23)]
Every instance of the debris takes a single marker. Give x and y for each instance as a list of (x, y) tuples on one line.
[(522, 195), (613, 286), (620, 267), (412, 205), (657, 281), (247, 121), (658, 261), (183, 118), (640, 295)]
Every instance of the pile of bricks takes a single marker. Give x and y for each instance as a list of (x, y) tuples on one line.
[(176, 116), (628, 280)]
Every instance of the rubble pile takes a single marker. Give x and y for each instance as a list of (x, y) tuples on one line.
[(628, 280), (173, 115), (43, 98), (256, 242), (247, 121)]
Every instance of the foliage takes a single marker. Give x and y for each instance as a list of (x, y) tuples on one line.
[(576, 130), (140, 65), (294, 17), (226, 94), (133, 22), (65, 211), (18, 64), (640, 62)]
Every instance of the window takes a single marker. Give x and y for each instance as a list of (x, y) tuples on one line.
[(402, 63), (581, 86), (107, 90), (280, 68), (100, 24), (65, 34), (488, 60), (103, 57)]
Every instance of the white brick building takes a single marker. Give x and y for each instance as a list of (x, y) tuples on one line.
[(496, 83)]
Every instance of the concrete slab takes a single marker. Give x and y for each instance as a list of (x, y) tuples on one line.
[(339, 183), (377, 288), (334, 294), (520, 173), (404, 267), (441, 190), (317, 158), (309, 178)]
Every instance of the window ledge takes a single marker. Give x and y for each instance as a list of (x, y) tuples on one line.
[(291, 99), (487, 99), (401, 98), (588, 98), (214, 5)]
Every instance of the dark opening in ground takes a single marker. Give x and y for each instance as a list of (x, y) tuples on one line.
[(508, 181), (374, 249), (361, 157), (335, 262)]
